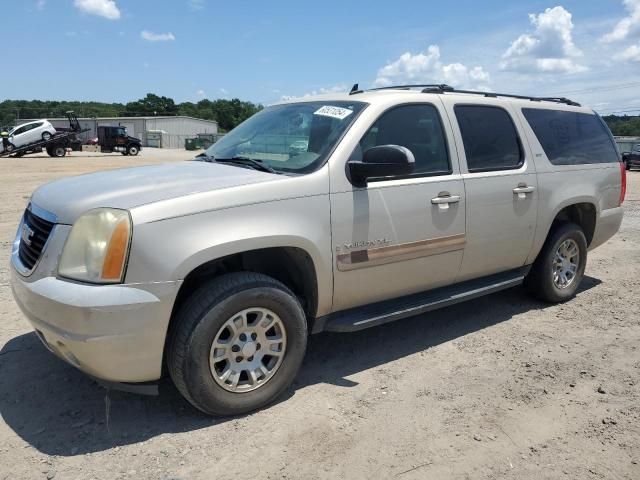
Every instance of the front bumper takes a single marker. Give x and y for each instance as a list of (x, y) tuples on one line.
[(114, 333)]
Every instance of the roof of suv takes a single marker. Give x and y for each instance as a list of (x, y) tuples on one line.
[(401, 94)]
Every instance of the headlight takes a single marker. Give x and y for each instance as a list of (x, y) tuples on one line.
[(97, 248)]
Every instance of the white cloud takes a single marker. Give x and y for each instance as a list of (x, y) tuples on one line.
[(200, 93), (632, 54), (196, 5), (103, 8), (340, 88), (627, 26), (549, 48), (224, 91), (427, 68), (156, 37), (40, 4)]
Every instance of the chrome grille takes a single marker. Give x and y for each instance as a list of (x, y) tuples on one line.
[(34, 234)]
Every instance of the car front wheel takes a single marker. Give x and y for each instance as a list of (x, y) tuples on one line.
[(237, 343)]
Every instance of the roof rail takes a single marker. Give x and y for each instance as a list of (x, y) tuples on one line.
[(442, 88)]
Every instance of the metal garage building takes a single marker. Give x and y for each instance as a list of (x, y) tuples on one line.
[(626, 144), (164, 132)]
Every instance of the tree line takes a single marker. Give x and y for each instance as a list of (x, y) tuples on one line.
[(228, 113), (623, 125)]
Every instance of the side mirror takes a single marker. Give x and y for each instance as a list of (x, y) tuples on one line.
[(381, 161)]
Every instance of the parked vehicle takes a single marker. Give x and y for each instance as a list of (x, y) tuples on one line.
[(40, 130), (632, 159), (55, 142), (402, 201), (115, 139)]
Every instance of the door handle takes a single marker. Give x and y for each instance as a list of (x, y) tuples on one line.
[(522, 189), (444, 199)]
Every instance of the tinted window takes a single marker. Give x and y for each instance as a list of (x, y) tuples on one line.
[(490, 138), (416, 127), (570, 138)]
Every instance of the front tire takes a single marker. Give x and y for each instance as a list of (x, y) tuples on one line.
[(559, 268), (237, 343), (132, 150)]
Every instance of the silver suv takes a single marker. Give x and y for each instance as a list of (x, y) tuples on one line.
[(332, 213)]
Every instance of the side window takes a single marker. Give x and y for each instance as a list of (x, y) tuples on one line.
[(490, 138), (571, 138), (18, 131), (416, 127)]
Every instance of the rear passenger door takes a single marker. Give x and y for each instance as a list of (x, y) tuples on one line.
[(501, 188)]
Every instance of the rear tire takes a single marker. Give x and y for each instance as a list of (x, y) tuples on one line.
[(46, 136), (58, 151), (558, 270), (219, 319)]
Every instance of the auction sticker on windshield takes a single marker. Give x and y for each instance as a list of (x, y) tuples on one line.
[(333, 112)]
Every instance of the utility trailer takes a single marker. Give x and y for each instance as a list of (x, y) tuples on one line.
[(56, 146)]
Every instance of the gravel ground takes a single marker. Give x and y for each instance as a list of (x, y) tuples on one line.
[(500, 387)]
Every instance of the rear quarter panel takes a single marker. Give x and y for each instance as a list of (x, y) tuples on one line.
[(562, 185)]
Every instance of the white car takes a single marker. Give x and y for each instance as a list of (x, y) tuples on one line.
[(31, 132)]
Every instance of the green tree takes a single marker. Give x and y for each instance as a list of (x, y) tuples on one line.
[(151, 105)]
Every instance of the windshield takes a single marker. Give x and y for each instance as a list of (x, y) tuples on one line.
[(295, 137)]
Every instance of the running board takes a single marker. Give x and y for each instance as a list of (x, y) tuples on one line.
[(374, 314)]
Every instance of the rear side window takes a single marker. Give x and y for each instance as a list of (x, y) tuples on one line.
[(416, 127), (490, 138), (571, 138)]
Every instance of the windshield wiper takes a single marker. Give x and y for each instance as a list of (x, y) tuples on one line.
[(254, 163), (203, 157)]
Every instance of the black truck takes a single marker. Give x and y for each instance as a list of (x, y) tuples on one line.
[(115, 139), (632, 159)]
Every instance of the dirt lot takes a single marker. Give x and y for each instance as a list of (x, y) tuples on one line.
[(501, 387)]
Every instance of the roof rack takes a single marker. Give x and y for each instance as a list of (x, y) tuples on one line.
[(442, 88)]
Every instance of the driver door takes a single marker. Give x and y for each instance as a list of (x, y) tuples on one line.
[(400, 235)]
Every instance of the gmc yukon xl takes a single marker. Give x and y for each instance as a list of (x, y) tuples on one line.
[(331, 213)]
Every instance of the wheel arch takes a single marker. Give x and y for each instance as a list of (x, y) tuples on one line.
[(583, 212)]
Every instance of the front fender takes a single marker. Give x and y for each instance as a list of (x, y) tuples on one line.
[(170, 249)]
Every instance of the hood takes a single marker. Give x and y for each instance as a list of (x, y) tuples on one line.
[(133, 139), (126, 188)]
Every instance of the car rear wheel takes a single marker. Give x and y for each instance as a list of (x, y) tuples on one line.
[(557, 272), (46, 136), (237, 343)]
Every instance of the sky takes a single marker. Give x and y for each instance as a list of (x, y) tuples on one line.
[(119, 50)]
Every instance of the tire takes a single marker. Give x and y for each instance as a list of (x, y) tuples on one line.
[(203, 319), (50, 152), (541, 281), (46, 136), (132, 150), (58, 151), (11, 147)]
